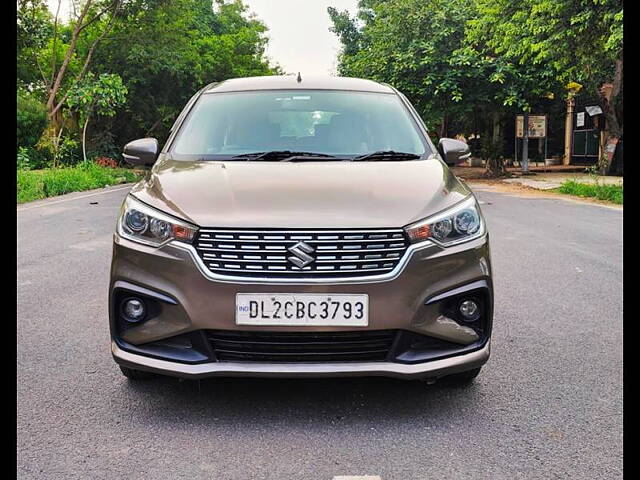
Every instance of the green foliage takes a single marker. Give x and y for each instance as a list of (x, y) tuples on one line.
[(38, 184), (24, 162), (102, 94), (52, 153), (421, 47), (166, 51), (155, 55), (31, 119), (34, 28), (410, 44), (68, 152), (609, 193), (456, 58), (103, 143), (571, 40)]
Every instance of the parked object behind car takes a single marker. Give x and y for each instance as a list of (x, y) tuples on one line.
[(300, 228)]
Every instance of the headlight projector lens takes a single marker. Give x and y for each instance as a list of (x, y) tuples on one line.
[(469, 310), (133, 310), (441, 229), (467, 222), (137, 221)]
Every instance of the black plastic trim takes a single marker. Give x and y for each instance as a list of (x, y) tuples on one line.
[(457, 291), (122, 285)]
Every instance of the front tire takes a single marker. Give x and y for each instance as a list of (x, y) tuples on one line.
[(135, 375)]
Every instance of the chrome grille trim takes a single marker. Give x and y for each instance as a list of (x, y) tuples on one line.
[(265, 254)]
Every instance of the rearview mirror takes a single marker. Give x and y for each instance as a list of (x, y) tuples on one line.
[(453, 151), (143, 151)]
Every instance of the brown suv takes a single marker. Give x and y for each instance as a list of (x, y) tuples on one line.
[(300, 228)]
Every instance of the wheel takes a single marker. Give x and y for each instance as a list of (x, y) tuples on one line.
[(462, 378), (132, 374)]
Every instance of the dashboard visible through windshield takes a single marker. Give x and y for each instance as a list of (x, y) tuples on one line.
[(335, 123)]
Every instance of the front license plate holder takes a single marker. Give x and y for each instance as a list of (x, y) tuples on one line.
[(296, 309)]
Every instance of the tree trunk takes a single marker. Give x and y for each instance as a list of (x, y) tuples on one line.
[(53, 91), (525, 142), (443, 126), (613, 130), (494, 161), (84, 139)]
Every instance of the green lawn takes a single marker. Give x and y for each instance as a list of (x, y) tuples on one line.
[(610, 193), (37, 184)]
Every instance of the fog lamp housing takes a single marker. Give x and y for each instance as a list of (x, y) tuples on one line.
[(469, 310), (133, 309)]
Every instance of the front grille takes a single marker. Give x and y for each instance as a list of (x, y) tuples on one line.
[(234, 346), (329, 253)]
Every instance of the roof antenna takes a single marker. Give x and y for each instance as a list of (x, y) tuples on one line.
[(299, 79)]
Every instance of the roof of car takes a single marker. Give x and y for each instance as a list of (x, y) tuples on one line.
[(290, 82)]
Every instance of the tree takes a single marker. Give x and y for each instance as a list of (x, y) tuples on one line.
[(34, 28), (91, 13), (96, 96), (413, 45), (426, 49), (576, 40), (174, 48)]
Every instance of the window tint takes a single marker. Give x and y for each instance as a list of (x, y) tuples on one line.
[(332, 122)]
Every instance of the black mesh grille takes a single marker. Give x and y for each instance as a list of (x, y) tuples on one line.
[(301, 253), (301, 346)]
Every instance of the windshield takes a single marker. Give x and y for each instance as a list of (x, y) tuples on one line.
[(338, 123)]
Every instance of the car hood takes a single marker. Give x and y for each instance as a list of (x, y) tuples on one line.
[(319, 194)]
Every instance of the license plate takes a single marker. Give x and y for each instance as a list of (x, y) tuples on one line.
[(293, 309)]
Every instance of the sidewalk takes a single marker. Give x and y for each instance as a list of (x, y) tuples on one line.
[(539, 180), (548, 181)]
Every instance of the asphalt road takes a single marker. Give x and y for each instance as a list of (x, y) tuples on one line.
[(547, 405)]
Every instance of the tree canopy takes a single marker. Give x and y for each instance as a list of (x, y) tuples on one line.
[(162, 52), (456, 58)]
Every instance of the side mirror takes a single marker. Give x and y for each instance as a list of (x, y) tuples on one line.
[(453, 151), (143, 151)]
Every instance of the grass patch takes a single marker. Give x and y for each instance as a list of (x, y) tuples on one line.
[(49, 182), (609, 193)]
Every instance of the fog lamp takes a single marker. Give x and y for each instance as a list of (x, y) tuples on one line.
[(469, 310), (133, 310)]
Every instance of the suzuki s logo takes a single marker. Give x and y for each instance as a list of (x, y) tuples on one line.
[(301, 257)]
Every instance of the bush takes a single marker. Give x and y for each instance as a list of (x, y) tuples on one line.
[(31, 119), (24, 162), (610, 193), (68, 152), (37, 184), (102, 142), (30, 159), (106, 162)]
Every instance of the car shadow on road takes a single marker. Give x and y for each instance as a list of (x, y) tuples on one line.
[(288, 402)]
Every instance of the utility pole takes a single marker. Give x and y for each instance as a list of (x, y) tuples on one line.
[(525, 142), (568, 131)]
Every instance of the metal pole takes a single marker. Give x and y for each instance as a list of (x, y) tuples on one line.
[(525, 142), (545, 150)]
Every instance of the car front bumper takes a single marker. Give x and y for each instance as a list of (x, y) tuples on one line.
[(431, 369), (190, 304)]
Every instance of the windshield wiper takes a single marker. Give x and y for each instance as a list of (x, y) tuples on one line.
[(387, 155), (280, 155)]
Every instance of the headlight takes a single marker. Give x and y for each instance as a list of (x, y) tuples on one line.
[(458, 224), (143, 224)]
